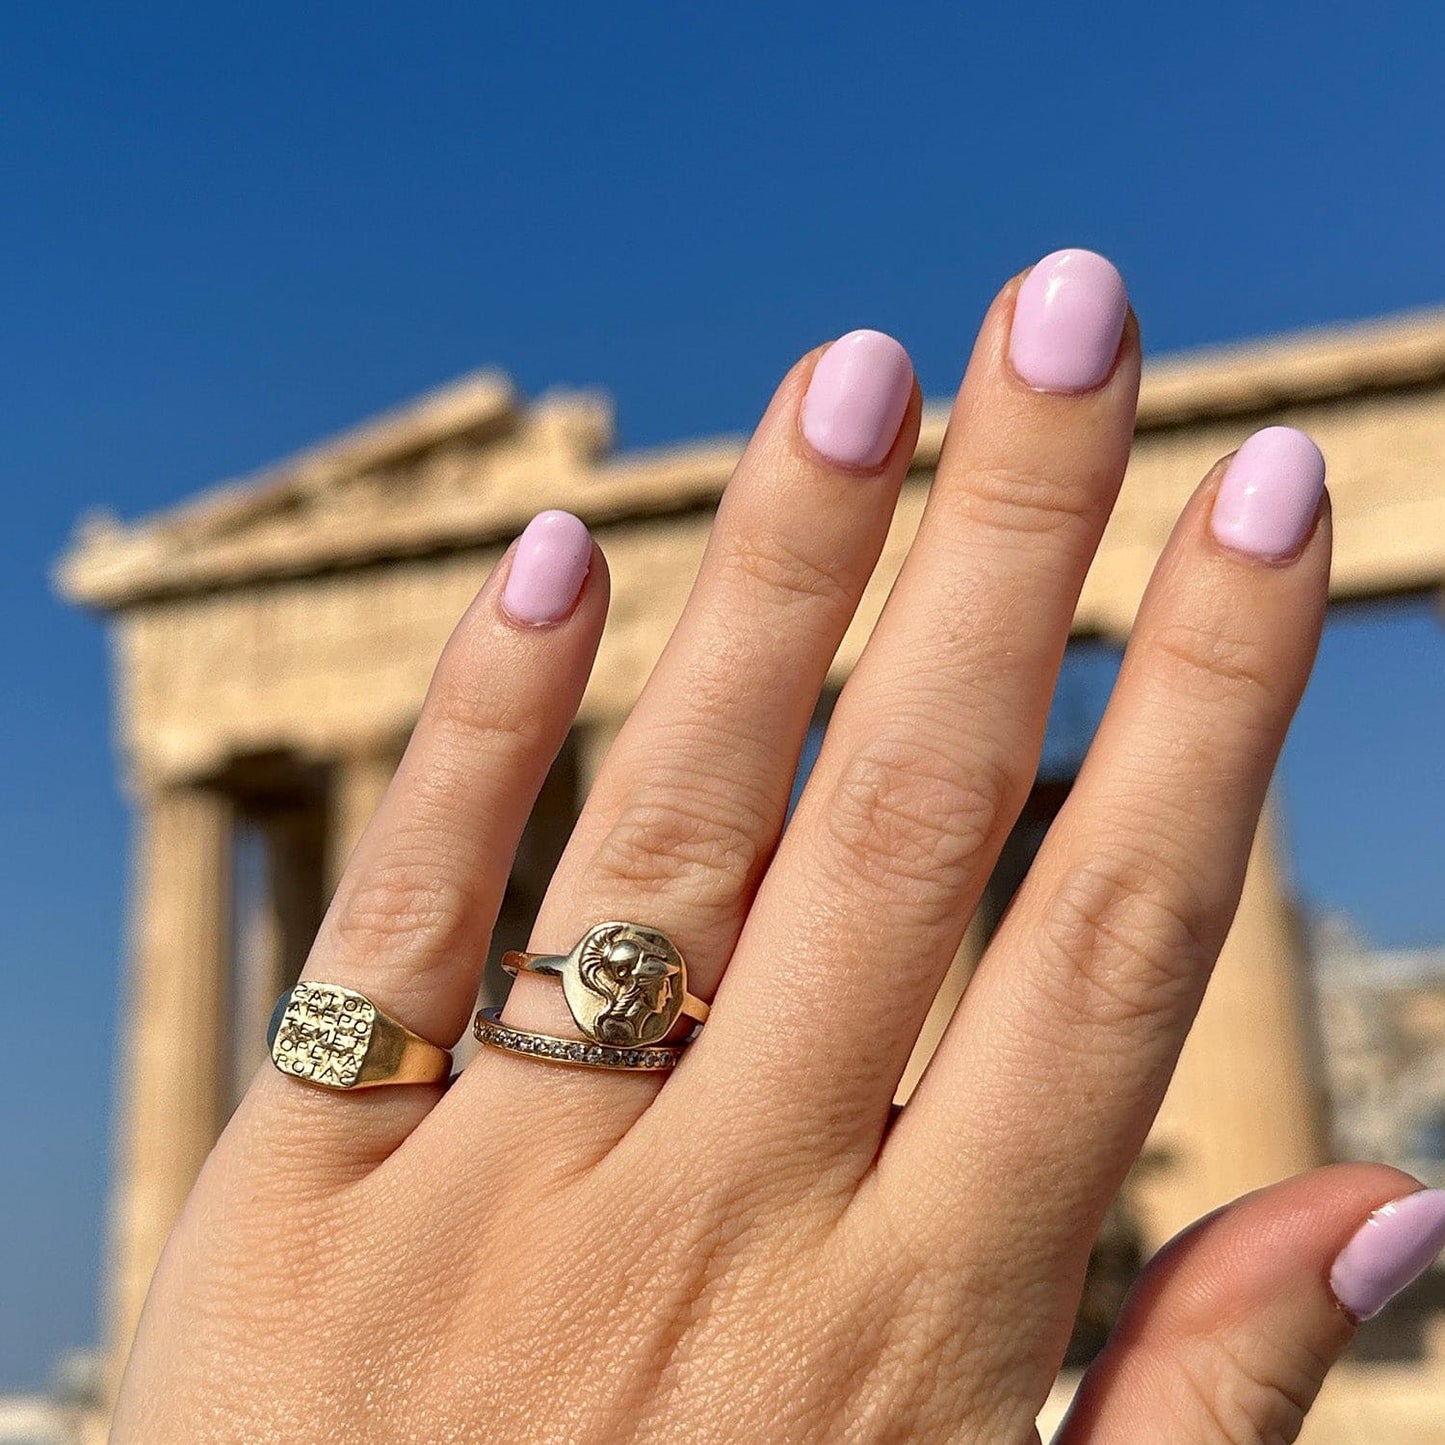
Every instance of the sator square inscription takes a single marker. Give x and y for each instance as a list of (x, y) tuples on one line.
[(322, 1033)]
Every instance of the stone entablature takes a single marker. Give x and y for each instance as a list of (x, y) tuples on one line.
[(466, 465), (304, 611)]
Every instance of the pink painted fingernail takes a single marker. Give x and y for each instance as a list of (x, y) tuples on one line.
[(549, 567), (1267, 502), (1391, 1249), (856, 399), (1068, 318)]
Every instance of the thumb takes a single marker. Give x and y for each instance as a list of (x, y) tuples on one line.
[(1230, 1331)]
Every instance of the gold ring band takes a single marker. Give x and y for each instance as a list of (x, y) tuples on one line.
[(322, 1033), (625, 983), (579, 1053)]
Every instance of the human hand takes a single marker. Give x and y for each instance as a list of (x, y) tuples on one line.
[(757, 1247)]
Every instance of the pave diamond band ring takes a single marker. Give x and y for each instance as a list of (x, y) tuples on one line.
[(580, 1053)]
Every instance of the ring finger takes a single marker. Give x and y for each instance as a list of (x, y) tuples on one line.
[(688, 804), (1083, 1000)]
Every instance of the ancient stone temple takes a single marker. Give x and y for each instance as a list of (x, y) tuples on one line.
[(273, 640)]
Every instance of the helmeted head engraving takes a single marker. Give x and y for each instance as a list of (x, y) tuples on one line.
[(634, 981)]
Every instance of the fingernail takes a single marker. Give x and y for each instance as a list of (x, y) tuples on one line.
[(1268, 498), (856, 399), (1393, 1248), (549, 567), (1068, 318)]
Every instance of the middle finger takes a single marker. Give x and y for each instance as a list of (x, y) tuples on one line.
[(935, 739)]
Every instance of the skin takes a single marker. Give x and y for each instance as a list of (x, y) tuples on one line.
[(760, 1248)]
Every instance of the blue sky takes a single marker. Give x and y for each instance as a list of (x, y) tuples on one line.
[(232, 231)]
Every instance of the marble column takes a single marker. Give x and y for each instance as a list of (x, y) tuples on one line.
[(171, 1081), (592, 742), (1246, 1106), (281, 920), (545, 836), (359, 782)]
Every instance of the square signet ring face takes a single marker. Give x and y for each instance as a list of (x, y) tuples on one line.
[(323, 1033)]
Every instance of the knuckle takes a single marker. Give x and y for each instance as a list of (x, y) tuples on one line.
[(1027, 501), (1122, 942), (787, 574), (694, 843), (907, 821), (405, 904), (467, 720), (1206, 664), (1250, 1396)]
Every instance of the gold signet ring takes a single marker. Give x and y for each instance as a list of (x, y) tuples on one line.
[(625, 983), (324, 1034)]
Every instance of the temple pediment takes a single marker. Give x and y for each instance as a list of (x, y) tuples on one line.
[(453, 467)]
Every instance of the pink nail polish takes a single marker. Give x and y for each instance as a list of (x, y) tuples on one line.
[(1068, 318), (856, 399), (549, 567), (1267, 501), (1393, 1248)]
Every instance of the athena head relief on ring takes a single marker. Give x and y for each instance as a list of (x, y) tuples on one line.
[(633, 982)]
